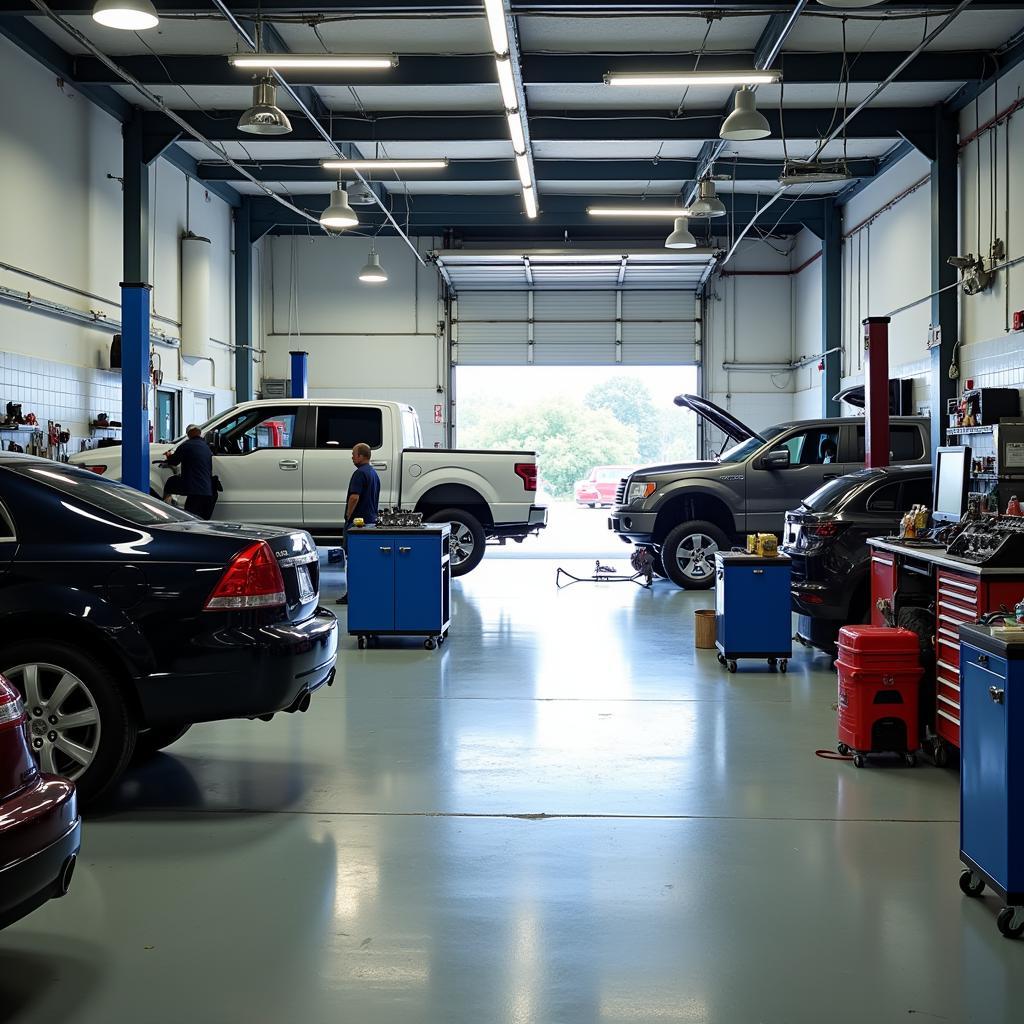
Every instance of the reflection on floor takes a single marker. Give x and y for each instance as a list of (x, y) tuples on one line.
[(564, 815)]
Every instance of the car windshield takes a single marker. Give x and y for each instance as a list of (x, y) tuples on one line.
[(107, 495), (827, 497), (742, 451)]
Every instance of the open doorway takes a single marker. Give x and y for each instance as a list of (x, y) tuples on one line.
[(589, 425)]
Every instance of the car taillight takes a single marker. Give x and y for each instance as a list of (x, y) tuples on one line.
[(828, 528), (527, 472), (12, 712), (252, 580), (96, 469)]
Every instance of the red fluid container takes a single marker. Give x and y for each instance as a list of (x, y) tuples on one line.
[(879, 676)]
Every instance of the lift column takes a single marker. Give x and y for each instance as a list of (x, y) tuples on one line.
[(876, 391), (300, 374)]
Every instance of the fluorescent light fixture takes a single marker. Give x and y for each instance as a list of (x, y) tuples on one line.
[(338, 215), (530, 202), (373, 272), (507, 83), (681, 238), (669, 212), (385, 165), (309, 61), (496, 22), (515, 131), (264, 117), (687, 78), (128, 15), (745, 123), (523, 167)]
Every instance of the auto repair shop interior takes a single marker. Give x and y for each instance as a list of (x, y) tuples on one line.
[(716, 731)]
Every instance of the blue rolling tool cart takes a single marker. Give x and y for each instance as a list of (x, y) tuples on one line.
[(399, 583), (992, 769), (752, 605)]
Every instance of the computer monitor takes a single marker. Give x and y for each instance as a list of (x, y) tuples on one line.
[(952, 478)]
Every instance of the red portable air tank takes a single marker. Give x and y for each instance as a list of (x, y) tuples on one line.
[(879, 676)]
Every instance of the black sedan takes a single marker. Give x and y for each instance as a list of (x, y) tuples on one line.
[(124, 620), (826, 539)]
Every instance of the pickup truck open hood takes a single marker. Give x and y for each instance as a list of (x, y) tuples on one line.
[(672, 467), (717, 417)]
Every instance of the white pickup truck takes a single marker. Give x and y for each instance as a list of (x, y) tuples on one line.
[(287, 462)]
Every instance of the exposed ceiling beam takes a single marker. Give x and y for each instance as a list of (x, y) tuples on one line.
[(591, 125), (505, 170), (417, 70)]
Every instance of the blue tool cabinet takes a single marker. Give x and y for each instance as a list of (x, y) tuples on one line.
[(752, 602), (399, 583), (992, 769)]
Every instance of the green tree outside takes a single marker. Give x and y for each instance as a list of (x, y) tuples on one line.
[(628, 400)]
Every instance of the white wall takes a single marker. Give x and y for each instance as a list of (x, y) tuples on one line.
[(61, 217), (806, 323), (364, 341)]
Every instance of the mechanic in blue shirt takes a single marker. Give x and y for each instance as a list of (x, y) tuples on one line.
[(196, 473), (363, 493)]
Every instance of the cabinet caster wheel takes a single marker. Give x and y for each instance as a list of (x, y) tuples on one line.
[(843, 749), (721, 659), (971, 886), (783, 666), (910, 760), (362, 642), (429, 644), (1004, 922), (940, 755), (773, 663), (440, 640), (731, 665), (859, 761)]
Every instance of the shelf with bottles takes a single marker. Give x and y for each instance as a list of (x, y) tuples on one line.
[(20, 427)]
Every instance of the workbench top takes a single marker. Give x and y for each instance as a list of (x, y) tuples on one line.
[(936, 555)]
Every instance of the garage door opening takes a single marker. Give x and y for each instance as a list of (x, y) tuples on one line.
[(589, 425)]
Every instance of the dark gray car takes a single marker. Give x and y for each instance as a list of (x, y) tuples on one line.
[(688, 511)]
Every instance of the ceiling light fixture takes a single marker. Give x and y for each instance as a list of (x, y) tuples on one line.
[(688, 78), (707, 203), (495, 10), (128, 15), (385, 165), (264, 117), (339, 215), (373, 272), (745, 123), (850, 3), (507, 83), (530, 201), (309, 61), (515, 131), (523, 167), (681, 238), (669, 212)]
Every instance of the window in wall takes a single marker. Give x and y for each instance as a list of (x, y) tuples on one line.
[(166, 427), (339, 426), (202, 409)]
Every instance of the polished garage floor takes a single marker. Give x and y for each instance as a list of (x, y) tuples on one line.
[(564, 816)]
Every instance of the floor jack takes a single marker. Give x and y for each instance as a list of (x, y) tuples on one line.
[(641, 560)]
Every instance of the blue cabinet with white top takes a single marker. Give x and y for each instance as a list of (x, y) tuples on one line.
[(399, 583), (752, 606)]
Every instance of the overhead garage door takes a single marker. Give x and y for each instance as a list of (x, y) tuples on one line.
[(609, 310)]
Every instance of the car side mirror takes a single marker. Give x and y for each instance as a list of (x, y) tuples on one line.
[(777, 458)]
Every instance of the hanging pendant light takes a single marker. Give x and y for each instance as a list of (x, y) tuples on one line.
[(264, 117), (744, 123), (128, 15), (373, 272), (707, 203), (850, 3), (681, 237), (339, 215)]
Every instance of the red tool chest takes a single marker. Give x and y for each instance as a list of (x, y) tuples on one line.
[(883, 582), (879, 676)]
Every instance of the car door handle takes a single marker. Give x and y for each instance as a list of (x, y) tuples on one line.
[(379, 465), (288, 464)]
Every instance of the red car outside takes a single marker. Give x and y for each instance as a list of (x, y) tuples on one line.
[(40, 828), (599, 487)]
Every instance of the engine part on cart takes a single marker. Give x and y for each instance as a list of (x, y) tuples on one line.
[(392, 517), (764, 545), (996, 541)]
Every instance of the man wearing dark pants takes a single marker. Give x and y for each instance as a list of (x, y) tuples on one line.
[(363, 493), (196, 462)]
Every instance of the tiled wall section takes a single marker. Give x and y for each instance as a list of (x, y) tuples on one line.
[(70, 395)]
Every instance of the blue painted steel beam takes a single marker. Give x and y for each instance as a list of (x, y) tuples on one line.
[(244, 389), (176, 156), (831, 306), (300, 374)]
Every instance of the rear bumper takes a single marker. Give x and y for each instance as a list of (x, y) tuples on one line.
[(246, 672), (44, 833), (536, 521), (637, 527)]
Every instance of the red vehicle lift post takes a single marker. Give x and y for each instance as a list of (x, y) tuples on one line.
[(876, 391)]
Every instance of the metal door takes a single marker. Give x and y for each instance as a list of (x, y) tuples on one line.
[(418, 584), (371, 583)]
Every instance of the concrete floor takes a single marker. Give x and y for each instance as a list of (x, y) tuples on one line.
[(564, 816)]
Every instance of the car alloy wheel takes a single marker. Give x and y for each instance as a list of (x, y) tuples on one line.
[(463, 544), (695, 556), (63, 718)]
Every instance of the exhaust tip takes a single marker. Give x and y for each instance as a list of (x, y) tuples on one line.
[(66, 872), (305, 702)]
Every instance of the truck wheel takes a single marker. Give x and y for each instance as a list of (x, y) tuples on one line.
[(467, 541), (688, 554)]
